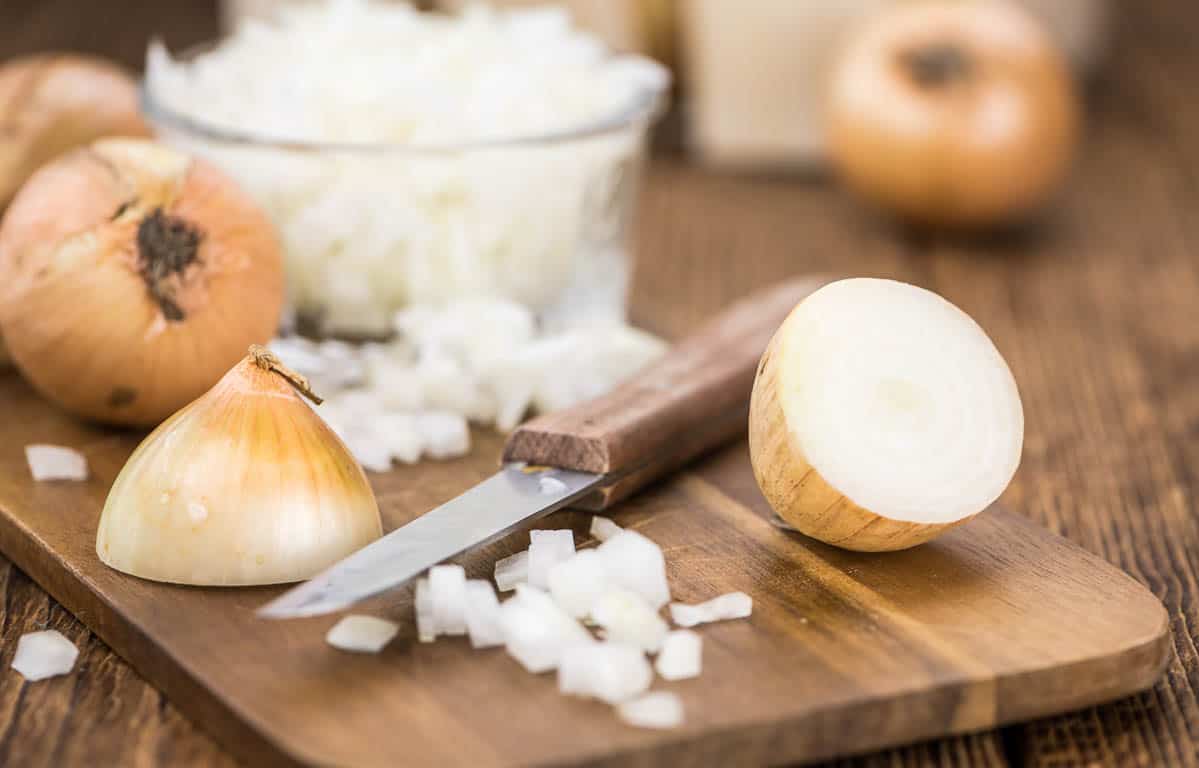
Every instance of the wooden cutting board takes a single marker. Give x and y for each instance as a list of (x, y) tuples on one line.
[(997, 621)]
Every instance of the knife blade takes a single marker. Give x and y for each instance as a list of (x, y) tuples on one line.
[(594, 454), (495, 507)]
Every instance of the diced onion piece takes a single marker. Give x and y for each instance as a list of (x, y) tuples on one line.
[(547, 549), (55, 462), (578, 582), (447, 588), (681, 656), (660, 709), (483, 615), (602, 528), (446, 435), (44, 654), (361, 634), (511, 571), (536, 631), (627, 618), (426, 619), (734, 605), (894, 409), (612, 672), (636, 563)]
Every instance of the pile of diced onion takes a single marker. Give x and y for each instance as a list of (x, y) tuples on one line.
[(482, 361), (397, 220), (593, 615)]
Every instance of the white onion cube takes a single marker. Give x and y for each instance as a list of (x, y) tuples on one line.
[(426, 619), (660, 709), (602, 528), (734, 605), (636, 563), (547, 549), (536, 631), (44, 654), (681, 656), (447, 588), (612, 672), (361, 634), (578, 582), (446, 435), (511, 571), (627, 618), (483, 615), (55, 462)]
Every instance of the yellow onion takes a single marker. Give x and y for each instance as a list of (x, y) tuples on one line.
[(131, 278), (246, 485), (882, 416), (953, 114), (50, 103)]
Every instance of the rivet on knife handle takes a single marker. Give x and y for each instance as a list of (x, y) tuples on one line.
[(690, 401)]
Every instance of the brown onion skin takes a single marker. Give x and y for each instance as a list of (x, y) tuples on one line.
[(76, 313), (984, 149), (51, 103)]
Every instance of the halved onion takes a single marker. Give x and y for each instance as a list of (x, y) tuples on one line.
[(882, 415)]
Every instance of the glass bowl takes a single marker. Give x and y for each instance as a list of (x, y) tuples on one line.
[(369, 228)]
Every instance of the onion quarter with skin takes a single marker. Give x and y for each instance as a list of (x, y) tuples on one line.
[(881, 416)]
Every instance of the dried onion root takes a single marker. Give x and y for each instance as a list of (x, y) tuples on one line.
[(882, 415)]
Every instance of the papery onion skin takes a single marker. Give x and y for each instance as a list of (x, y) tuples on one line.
[(78, 313), (50, 103), (984, 138), (246, 485)]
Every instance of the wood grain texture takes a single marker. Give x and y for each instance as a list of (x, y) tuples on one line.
[(686, 403), (996, 622), (1093, 309)]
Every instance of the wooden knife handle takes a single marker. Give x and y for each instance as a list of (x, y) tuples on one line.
[(693, 399)]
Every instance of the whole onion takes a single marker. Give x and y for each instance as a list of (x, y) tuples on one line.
[(51, 103), (131, 278)]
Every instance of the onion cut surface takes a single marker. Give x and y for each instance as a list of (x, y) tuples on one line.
[(881, 416)]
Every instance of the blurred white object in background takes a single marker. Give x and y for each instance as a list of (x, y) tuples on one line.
[(755, 72)]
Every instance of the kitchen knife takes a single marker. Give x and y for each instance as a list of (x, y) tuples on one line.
[(689, 401)]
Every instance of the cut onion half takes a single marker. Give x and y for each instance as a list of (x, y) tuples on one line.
[(882, 415)]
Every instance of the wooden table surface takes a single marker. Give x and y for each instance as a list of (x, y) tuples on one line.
[(1096, 309)]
